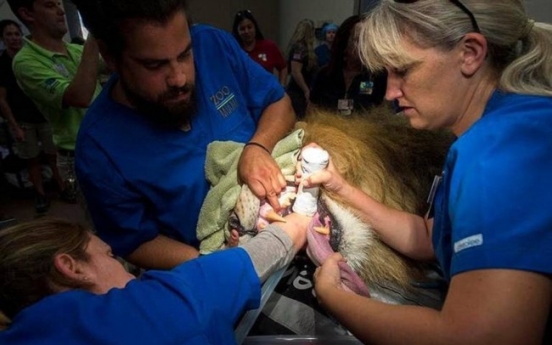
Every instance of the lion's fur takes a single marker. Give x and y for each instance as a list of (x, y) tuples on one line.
[(392, 162)]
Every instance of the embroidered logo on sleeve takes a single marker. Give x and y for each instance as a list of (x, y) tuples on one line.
[(468, 242)]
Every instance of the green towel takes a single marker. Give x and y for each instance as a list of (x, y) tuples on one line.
[(221, 170)]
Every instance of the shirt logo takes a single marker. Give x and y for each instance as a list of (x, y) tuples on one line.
[(50, 84), (468, 242), (225, 101)]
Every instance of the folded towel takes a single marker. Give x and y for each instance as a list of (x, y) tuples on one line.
[(221, 170)]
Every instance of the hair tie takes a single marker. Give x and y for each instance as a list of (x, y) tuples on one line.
[(527, 29)]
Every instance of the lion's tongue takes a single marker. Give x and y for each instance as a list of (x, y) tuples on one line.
[(318, 250)]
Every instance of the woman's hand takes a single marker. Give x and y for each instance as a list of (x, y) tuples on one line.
[(329, 178), (328, 276)]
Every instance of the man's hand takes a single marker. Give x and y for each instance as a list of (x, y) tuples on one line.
[(260, 172)]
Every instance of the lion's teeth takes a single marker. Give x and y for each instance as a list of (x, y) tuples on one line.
[(322, 230)]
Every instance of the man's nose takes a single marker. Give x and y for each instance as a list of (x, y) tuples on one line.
[(177, 75), (60, 9)]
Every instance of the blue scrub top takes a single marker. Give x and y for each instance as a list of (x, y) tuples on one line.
[(492, 210), (198, 302), (141, 180)]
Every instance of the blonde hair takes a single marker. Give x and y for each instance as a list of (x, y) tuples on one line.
[(304, 35), (27, 251), (519, 50)]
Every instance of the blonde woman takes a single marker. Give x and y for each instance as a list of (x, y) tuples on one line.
[(483, 69), (302, 64)]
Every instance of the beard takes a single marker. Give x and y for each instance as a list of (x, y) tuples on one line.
[(162, 112)]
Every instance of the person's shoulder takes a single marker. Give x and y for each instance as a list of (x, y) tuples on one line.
[(207, 30), (25, 57), (28, 55), (207, 35), (509, 118), (505, 106)]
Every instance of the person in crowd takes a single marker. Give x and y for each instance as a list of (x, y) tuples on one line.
[(481, 68), (323, 51), (60, 78), (265, 52), (60, 284), (302, 65), (142, 147), (31, 131), (345, 85)]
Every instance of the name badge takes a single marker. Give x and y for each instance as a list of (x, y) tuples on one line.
[(366, 87), (345, 106)]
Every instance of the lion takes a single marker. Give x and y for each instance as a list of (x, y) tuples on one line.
[(381, 154)]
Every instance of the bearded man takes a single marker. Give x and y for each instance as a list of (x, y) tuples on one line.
[(141, 148)]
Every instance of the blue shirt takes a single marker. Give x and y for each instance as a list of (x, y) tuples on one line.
[(198, 302), (492, 210), (140, 180)]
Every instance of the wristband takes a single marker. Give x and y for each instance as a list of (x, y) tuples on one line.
[(253, 143)]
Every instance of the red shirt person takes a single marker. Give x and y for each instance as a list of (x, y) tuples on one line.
[(265, 52)]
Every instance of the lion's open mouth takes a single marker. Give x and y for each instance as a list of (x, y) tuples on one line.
[(323, 239)]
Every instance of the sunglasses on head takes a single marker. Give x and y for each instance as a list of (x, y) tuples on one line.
[(242, 13), (457, 4)]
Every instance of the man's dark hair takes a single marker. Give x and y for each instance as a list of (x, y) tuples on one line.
[(7, 22), (105, 18), (16, 5)]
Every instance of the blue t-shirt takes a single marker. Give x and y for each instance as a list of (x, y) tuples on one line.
[(493, 208), (198, 302), (141, 180)]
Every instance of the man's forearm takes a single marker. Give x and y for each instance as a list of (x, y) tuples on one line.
[(276, 122), (81, 90), (162, 253)]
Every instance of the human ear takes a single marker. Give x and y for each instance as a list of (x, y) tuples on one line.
[(69, 267), (474, 52), (26, 14)]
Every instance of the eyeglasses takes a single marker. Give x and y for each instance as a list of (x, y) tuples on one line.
[(459, 5)]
